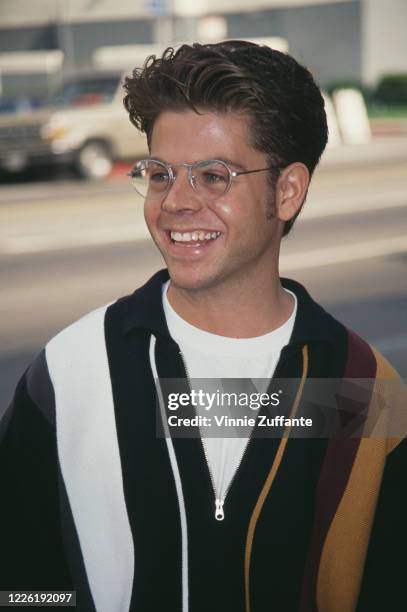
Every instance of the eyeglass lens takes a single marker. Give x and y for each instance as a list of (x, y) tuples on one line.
[(152, 180)]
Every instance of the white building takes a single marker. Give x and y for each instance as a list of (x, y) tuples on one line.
[(336, 39)]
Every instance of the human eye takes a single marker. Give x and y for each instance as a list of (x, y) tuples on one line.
[(158, 176), (157, 173), (213, 173), (211, 177)]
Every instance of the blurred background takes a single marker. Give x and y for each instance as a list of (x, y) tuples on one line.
[(72, 230)]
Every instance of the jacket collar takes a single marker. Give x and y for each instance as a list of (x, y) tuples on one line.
[(144, 309)]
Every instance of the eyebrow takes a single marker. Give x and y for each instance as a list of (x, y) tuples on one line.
[(227, 161), (230, 162)]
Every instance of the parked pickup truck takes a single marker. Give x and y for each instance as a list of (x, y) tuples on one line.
[(84, 125)]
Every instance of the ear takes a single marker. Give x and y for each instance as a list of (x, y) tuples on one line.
[(292, 187)]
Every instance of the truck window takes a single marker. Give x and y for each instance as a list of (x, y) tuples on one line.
[(85, 92)]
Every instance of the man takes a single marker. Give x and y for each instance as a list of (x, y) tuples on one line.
[(93, 499)]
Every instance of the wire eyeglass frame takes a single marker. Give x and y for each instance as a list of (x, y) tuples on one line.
[(191, 178)]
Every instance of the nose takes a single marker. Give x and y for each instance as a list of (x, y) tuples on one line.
[(181, 196)]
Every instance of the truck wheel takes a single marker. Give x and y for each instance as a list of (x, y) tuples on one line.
[(94, 161)]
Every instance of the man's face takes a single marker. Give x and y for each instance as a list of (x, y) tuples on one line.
[(248, 240)]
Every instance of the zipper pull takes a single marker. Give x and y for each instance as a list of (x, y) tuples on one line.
[(219, 514)]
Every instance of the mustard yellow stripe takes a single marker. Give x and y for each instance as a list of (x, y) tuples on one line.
[(385, 371), (344, 552), (269, 481)]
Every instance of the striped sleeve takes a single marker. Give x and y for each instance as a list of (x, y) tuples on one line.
[(358, 550), (383, 584), (32, 551)]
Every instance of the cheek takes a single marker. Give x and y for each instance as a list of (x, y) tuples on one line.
[(224, 210), (249, 211), (151, 214), (249, 203), (236, 209)]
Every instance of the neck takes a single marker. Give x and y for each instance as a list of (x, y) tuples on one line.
[(245, 310)]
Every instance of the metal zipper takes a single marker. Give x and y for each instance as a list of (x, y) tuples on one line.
[(219, 501), (222, 500), (219, 511)]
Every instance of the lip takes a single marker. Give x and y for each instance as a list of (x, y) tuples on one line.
[(187, 251), (190, 229)]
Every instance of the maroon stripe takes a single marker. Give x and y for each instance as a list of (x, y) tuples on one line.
[(361, 362), (335, 471)]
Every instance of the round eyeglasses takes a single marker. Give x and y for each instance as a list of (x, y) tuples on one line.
[(211, 179)]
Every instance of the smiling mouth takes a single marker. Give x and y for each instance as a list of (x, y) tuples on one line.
[(193, 238)]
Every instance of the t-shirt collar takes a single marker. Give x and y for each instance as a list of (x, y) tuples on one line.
[(144, 309)]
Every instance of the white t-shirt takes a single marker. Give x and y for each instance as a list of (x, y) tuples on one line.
[(209, 356)]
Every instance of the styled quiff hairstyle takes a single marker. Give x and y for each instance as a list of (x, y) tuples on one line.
[(288, 120)]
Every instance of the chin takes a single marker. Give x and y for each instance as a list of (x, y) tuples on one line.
[(190, 278)]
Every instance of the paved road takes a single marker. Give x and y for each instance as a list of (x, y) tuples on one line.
[(66, 248)]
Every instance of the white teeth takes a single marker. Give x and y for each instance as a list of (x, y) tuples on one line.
[(193, 236)]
